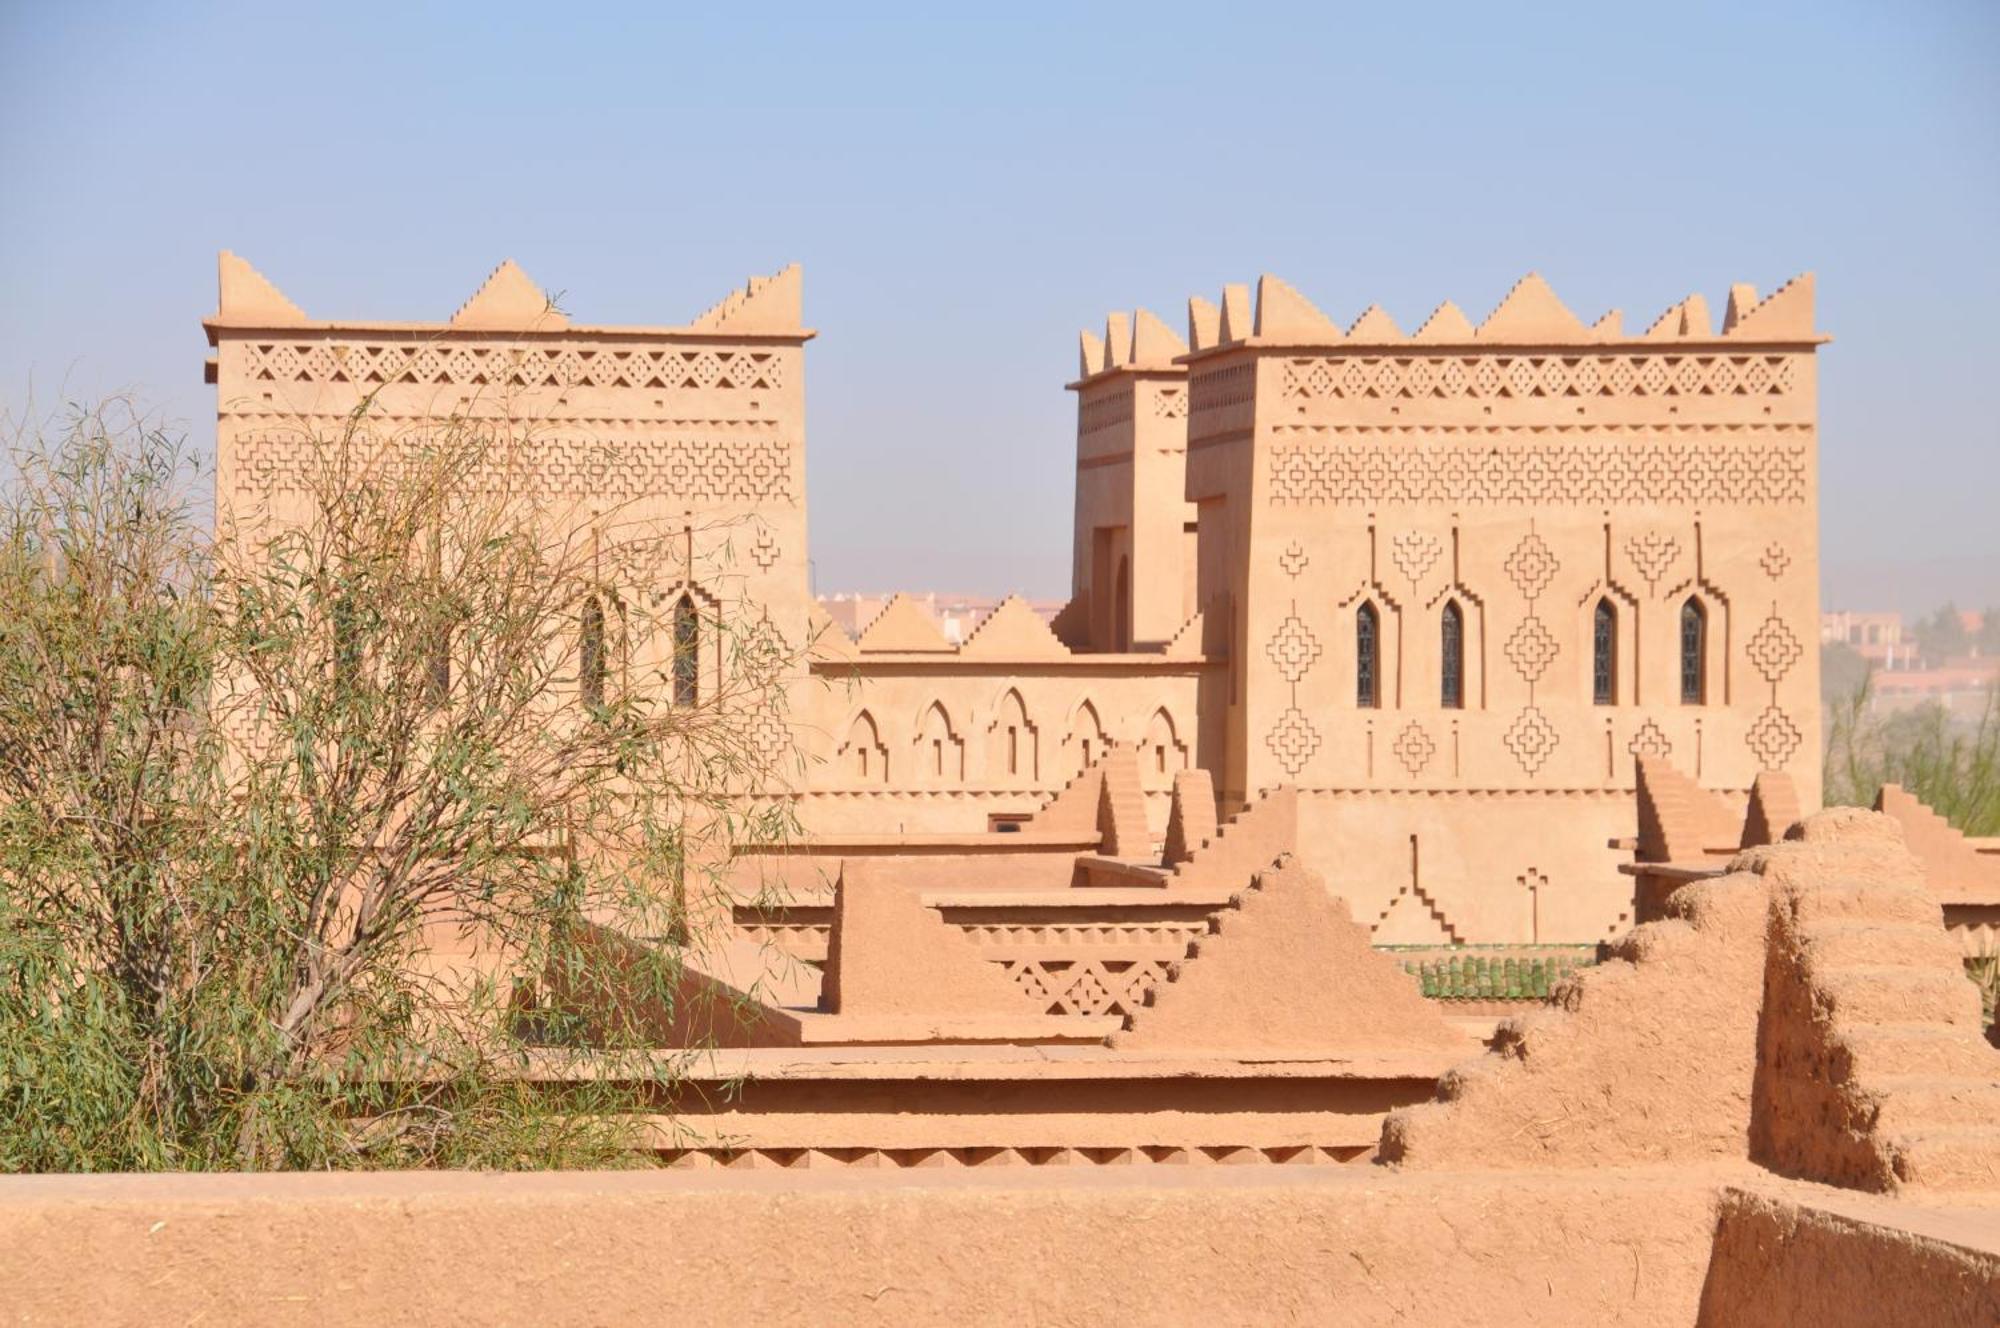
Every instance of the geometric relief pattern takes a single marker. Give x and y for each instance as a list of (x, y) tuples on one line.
[(1293, 648), (1773, 649), (1531, 566), (713, 469), (1531, 648), (1414, 552), (1773, 738), (1087, 986), (1683, 473), (1775, 560), (1532, 376), (1414, 748), (1532, 739), (1293, 740), (468, 365), (1650, 740), (1652, 553)]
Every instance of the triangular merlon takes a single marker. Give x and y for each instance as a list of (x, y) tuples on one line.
[(772, 305), (1374, 325), (1786, 314), (1532, 313), (1015, 631), (1237, 323), (903, 627), (1117, 341), (244, 295), (1089, 354), (1204, 324), (1446, 323), (1285, 315), (1154, 344), (1695, 321), (508, 301), (1742, 299)]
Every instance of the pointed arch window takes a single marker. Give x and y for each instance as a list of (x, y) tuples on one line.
[(1451, 664), (1694, 652), (687, 652), (1367, 657), (591, 665), (1604, 654)]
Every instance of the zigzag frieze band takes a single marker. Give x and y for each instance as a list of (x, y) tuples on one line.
[(1666, 473), (739, 469)]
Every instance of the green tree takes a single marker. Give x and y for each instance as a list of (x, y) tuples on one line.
[(295, 824), (1988, 639), (1942, 635)]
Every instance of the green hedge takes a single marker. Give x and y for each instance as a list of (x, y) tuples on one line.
[(1492, 977)]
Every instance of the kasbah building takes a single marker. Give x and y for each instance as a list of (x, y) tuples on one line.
[(1450, 585)]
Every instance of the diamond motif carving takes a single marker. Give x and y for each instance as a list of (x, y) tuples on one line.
[(1773, 649), (1532, 739), (1532, 565), (1773, 738), (1293, 648), (1293, 740), (1414, 748), (1775, 560), (1531, 648)]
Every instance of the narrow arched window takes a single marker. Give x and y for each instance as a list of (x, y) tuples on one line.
[(590, 655), (1367, 657), (1451, 666), (687, 653), (1604, 654), (1694, 652)]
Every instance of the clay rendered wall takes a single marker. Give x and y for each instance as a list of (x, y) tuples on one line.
[(1448, 867), (1495, 485), (1131, 472), (902, 732), (1845, 1261), (1204, 1245), (694, 431)]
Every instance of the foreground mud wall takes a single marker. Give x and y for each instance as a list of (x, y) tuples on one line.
[(1838, 1262), (1210, 1245)]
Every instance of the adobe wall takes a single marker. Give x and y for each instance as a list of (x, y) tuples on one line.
[(1524, 470), (1814, 1257), (1173, 1245), (1444, 866), (940, 741)]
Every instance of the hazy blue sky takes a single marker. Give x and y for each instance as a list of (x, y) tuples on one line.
[(966, 187)]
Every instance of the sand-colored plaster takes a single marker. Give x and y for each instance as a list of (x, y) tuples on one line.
[(1285, 969)]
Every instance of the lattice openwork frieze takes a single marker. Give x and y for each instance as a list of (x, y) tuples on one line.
[(708, 469), (1086, 986), (1525, 376), (1113, 407), (462, 364), (1749, 473)]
